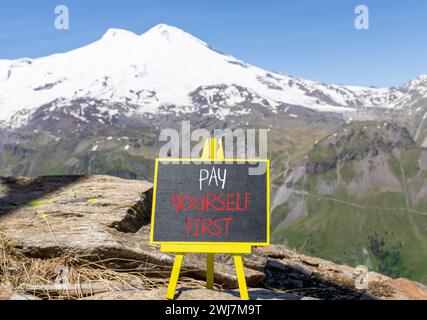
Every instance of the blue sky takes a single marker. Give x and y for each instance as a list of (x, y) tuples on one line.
[(306, 38)]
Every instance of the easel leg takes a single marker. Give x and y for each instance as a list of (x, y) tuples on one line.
[(174, 276), (210, 271), (241, 277)]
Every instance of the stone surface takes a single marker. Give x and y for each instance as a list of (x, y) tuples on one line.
[(51, 215), (205, 294), (6, 291), (101, 217), (20, 296), (192, 294), (107, 218), (160, 294), (328, 280), (407, 290), (156, 294)]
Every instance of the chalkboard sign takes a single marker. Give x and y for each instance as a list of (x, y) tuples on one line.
[(210, 203)]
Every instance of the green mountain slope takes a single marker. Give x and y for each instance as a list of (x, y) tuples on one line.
[(361, 200)]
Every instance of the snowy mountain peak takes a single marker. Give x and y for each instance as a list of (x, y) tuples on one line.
[(165, 28), (416, 83), (118, 33), (164, 32), (163, 67)]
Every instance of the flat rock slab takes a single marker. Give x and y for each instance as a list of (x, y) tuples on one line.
[(48, 216), (100, 217)]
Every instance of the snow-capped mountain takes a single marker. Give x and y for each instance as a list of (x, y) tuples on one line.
[(100, 109), (165, 68)]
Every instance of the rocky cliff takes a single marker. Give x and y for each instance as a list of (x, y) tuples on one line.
[(86, 237)]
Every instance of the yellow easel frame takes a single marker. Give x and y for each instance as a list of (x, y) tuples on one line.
[(212, 151)]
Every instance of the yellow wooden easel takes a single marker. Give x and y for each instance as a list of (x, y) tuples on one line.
[(212, 151)]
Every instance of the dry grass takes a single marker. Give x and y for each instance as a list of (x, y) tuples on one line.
[(17, 271)]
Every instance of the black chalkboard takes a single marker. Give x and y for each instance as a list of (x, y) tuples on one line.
[(210, 203)]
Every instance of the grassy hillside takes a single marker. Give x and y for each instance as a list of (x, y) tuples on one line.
[(364, 195)]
